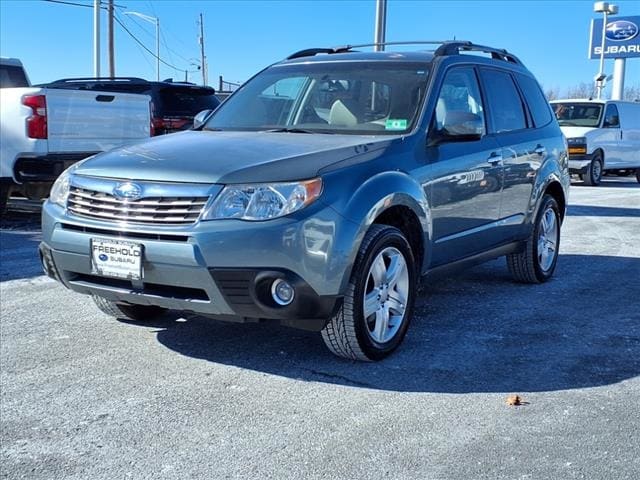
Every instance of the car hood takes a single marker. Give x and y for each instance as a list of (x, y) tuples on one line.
[(229, 157), (575, 132)]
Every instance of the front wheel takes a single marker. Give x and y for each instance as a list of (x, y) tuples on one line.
[(537, 262), (378, 304), (593, 175)]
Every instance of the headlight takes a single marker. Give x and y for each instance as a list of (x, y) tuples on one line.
[(263, 201), (577, 145), (60, 190)]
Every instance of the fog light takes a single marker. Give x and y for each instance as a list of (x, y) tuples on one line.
[(282, 292)]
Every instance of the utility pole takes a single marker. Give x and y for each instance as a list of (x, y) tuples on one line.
[(112, 61), (96, 38), (203, 58), (381, 25)]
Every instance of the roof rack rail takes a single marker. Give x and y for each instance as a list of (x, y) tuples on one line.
[(445, 47), (310, 52), (455, 47)]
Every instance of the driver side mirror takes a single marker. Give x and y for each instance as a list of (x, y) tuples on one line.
[(201, 118), (458, 127)]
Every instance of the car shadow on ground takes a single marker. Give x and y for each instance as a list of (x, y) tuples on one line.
[(19, 239), (477, 332), (598, 211), (611, 182)]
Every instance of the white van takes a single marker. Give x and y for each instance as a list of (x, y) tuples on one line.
[(602, 135)]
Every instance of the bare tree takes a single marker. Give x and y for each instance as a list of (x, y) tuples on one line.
[(552, 93), (632, 93), (582, 90)]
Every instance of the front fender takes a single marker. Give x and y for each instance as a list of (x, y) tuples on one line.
[(371, 198)]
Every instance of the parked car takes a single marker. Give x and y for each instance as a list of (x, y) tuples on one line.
[(602, 134), (45, 130), (319, 193), (173, 104)]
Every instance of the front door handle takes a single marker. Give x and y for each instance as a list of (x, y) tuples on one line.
[(540, 150), (494, 159)]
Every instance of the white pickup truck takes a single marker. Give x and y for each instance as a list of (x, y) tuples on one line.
[(44, 130), (602, 135)]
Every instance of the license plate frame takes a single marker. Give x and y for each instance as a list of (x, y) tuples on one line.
[(117, 258)]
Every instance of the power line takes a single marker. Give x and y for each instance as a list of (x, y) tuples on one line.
[(74, 4), (144, 46)]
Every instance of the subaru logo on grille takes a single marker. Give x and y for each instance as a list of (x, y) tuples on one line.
[(621, 30), (128, 191)]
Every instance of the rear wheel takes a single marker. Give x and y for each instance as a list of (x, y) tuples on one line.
[(136, 313), (537, 262), (378, 304), (593, 175)]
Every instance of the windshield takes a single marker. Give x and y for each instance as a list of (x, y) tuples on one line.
[(578, 114), (327, 97)]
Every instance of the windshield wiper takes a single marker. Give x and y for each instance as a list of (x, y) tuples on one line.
[(294, 130)]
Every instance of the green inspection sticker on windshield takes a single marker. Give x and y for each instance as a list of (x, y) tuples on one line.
[(396, 124)]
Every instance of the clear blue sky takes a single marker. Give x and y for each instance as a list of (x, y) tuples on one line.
[(55, 40)]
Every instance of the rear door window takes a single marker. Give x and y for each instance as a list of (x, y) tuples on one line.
[(505, 105), (538, 105)]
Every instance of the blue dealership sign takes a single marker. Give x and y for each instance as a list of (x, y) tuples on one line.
[(622, 38)]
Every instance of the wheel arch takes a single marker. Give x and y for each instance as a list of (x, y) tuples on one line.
[(394, 199), (554, 188)]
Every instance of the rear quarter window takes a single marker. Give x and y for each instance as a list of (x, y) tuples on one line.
[(538, 105)]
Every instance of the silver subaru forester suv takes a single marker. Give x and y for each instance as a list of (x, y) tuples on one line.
[(320, 193)]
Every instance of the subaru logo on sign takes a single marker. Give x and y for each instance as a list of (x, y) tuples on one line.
[(103, 257), (128, 191), (621, 30)]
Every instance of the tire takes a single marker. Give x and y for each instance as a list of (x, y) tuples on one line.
[(593, 175), (136, 313), (348, 333), (532, 265), (5, 192), (638, 175)]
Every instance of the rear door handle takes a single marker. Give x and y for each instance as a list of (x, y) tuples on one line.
[(494, 159)]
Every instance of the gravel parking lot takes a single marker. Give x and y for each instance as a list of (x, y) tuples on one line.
[(87, 397)]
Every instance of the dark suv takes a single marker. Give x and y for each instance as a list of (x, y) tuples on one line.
[(173, 104), (319, 193)]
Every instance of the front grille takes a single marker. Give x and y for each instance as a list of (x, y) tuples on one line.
[(150, 210)]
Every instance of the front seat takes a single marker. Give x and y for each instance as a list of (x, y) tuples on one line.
[(344, 113)]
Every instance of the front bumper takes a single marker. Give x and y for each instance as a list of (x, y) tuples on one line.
[(579, 163), (215, 268)]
